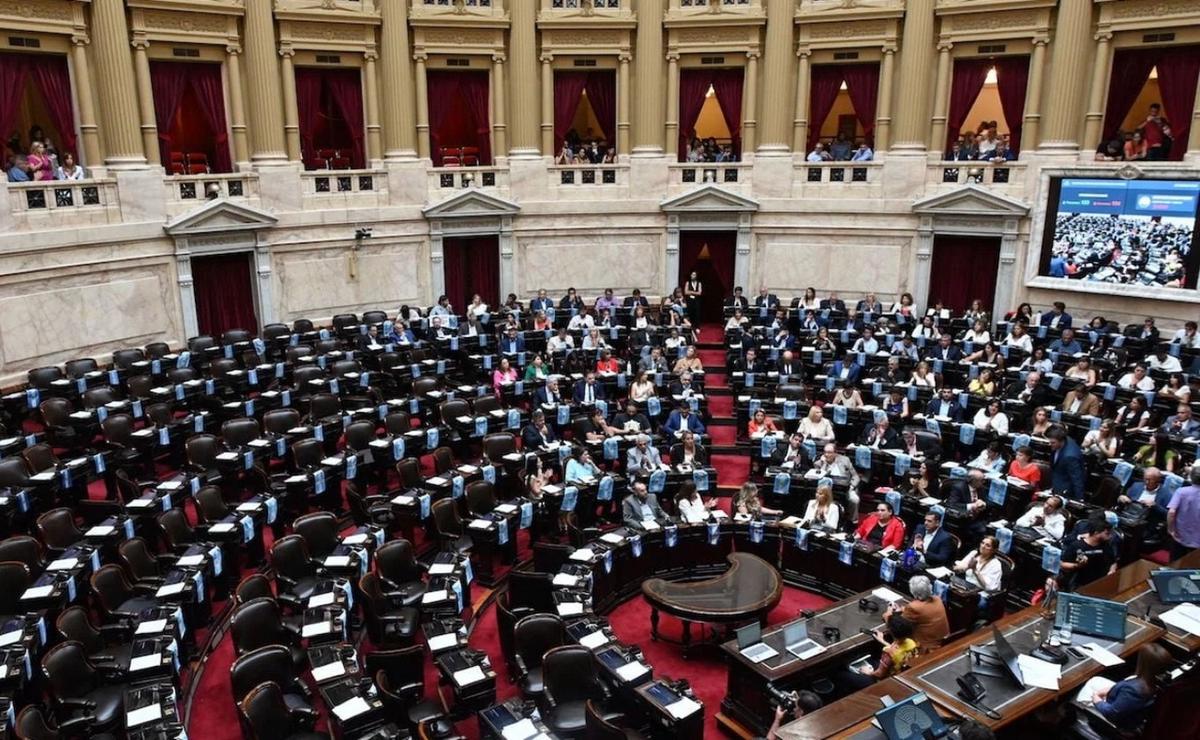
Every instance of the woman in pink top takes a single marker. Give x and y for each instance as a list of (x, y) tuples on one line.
[(503, 375), (40, 165)]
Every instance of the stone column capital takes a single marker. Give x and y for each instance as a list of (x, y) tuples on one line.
[(421, 57), (804, 52), (286, 51), (753, 55), (624, 57), (233, 49), (499, 57), (672, 56), (546, 58), (80, 39), (889, 48), (370, 55), (945, 46), (1041, 40), (140, 42), (1104, 35)]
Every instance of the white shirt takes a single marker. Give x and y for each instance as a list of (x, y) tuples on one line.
[(982, 337), (1145, 384), (1053, 525), (990, 574), (997, 423), (1169, 365), (1023, 341), (821, 429), (1182, 338), (557, 343), (831, 514), (580, 321), (693, 512)]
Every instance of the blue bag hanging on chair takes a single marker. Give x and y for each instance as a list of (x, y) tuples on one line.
[(514, 419), (318, 481), (817, 356), (1051, 559), (877, 389), (966, 434), (839, 415), (789, 410), (563, 414), (426, 505), (489, 473), (671, 535), (397, 448), (756, 531), (700, 478), (481, 426), (997, 491), (526, 514), (564, 453), (862, 457), (635, 545), (653, 406), (801, 538), (518, 388), (604, 490), (887, 570), (210, 387), (612, 449), (1123, 471), (164, 436), (714, 532), (903, 464), (941, 589), (622, 381), (1019, 441), (432, 436), (456, 487), (782, 484), (502, 532), (893, 498), (32, 397), (830, 383), (753, 407), (570, 497), (846, 552), (749, 378), (415, 370), (185, 359), (602, 406), (811, 448), (607, 559), (658, 479), (767, 445)]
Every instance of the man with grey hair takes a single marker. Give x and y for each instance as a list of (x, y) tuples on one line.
[(642, 458), (926, 612), (1183, 516)]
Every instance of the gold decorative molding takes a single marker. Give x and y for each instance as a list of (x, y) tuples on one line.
[(454, 38), (313, 31), (164, 20), (1153, 8), (993, 21), (841, 31), (58, 11)]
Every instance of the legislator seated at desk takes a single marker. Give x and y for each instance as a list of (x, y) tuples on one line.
[(537, 433), (643, 457), (932, 542), (794, 456), (640, 509), (898, 647), (682, 419), (881, 529), (926, 612), (1126, 703)]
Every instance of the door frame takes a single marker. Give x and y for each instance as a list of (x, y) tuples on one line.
[(709, 208), (470, 213)]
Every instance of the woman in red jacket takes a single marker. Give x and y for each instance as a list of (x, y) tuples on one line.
[(883, 528)]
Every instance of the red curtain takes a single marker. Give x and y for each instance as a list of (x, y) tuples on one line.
[(1012, 78), (711, 254), (567, 88), (969, 76), (862, 85), (1130, 70), (170, 83), (1178, 70), (471, 265), (209, 92), (13, 72), (826, 81), (693, 87), (963, 269), (475, 93), (224, 293), (458, 113), (51, 75), (345, 88), (308, 108), (727, 85), (601, 90)]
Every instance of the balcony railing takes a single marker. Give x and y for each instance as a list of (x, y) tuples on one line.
[(54, 199), (588, 174), (188, 188), (718, 173), (456, 178), (839, 172), (342, 182), (979, 173)]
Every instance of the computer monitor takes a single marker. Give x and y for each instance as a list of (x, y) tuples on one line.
[(795, 632), (1177, 586), (914, 718), (1008, 657), (749, 635), (1090, 616)]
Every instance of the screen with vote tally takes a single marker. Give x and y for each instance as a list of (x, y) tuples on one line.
[(1089, 616)]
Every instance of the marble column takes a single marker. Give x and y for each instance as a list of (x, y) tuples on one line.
[(1071, 53), (371, 97), (291, 111), (145, 96), (916, 58), (399, 110), (671, 266), (941, 97), (523, 88), (500, 124), (422, 108), (88, 130), (648, 75), (673, 122), (883, 117), (750, 103), (623, 84), (124, 146), (262, 74), (1094, 119), (547, 61), (1033, 93), (1192, 153), (779, 65), (237, 103), (803, 102)]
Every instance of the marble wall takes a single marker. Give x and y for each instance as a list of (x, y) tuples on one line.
[(616, 258), (787, 263), (318, 283)]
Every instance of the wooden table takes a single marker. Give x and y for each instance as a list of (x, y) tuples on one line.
[(1130, 585), (847, 716)]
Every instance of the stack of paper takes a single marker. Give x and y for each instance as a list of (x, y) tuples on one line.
[(1040, 674), (1185, 617)]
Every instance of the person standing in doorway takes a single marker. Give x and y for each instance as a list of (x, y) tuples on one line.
[(692, 291)]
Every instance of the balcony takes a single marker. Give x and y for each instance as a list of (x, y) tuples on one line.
[(1006, 177), (348, 188), (839, 173), (187, 190), (444, 180), (53, 203), (686, 175)]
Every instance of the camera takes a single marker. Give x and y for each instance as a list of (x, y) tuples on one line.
[(785, 700)]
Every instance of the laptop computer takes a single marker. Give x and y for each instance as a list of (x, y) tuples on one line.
[(798, 643), (914, 718), (1177, 586), (751, 646)]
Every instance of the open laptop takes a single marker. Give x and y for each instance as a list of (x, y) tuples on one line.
[(751, 646), (798, 643), (914, 718), (1177, 586)]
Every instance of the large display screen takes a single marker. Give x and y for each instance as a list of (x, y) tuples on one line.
[(1126, 232)]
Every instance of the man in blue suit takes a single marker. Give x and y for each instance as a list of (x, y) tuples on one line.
[(945, 350), (683, 418), (1058, 318), (541, 303), (846, 369), (588, 391), (935, 545), (513, 343), (945, 404), (1068, 473)]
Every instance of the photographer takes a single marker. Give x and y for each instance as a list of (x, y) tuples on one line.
[(790, 706)]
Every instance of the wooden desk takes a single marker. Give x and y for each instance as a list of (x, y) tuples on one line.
[(1130, 586), (934, 673), (846, 716)]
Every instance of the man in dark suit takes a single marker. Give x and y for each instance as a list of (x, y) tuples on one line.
[(548, 394), (846, 369), (945, 404), (880, 434), (789, 368), (512, 343), (766, 298), (588, 390), (921, 445), (750, 363), (945, 350), (1031, 392), (793, 455), (636, 299), (833, 303), (737, 300), (1058, 318), (684, 388), (640, 507), (571, 300), (970, 496), (541, 303), (1148, 333), (371, 341), (936, 546), (537, 433), (1067, 471), (682, 418), (632, 420)]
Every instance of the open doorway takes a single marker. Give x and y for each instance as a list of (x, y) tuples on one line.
[(224, 291), (711, 254), (471, 265), (972, 261)]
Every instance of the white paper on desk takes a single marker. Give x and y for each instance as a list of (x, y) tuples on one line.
[(886, 594), (143, 715), (351, 708), (442, 642), (296, 479), (612, 539), (741, 517), (930, 501), (321, 600), (650, 525), (332, 462), (318, 628), (248, 507), (1101, 655), (190, 561), (631, 671), (221, 527), (171, 589), (100, 531), (939, 572), (468, 676), (506, 508), (565, 579), (152, 627), (3, 671), (9, 638), (143, 662), (437, 480), (432, 596), (404, 500), (63, 564), (582, 554), (337, 561), (594, 640), (481, 524), (355, 539), (790, 521), (570, 608), (328, 671), (468, 469), (441, 569), (522, 730), (719, 514), (227, 456), (1095, 684), (683, 708), (1039, 673), (1185, 617), (37, 592)]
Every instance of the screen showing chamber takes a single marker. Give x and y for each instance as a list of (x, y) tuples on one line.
[(1124, 232)]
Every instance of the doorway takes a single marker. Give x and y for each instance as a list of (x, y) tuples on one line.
[(711, 254), (471, 264), (223, 287), (964, 269)]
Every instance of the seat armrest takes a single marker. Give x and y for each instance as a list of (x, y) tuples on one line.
[(147, 586), (522, 669), (76, 702), (70, 726), (548, 697), (305, 717)]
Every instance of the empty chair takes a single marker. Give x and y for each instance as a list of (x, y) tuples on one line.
[(177, 530), (279, 421), (400, 676), (533, 636), (139, 386), (366, 510), (256, 624), (374, 317), (302, 326), (293, 354), (74, 681), (182, 374), (239, 432), (344, 321), (530, 589), (202, 451), (57, 529), (409, 470), (97, 397), (198, 345), (80, 367), (307, 453), (236, 336), (40, 457), (401, 574), (75, 624), (341, 367), (56, 416), (43, 377), (270, 663), (389, 623), (13, 473), (210, 505), (14, 579), (116, 595), (322, 406), (484, 405), (569, 681), (481, 497), (294, 570), (443, 460), (157, 350), (31, 724), (600, 727), (360, 434), (397, 422), (320, 532), (253, 586), (265, 712), (126, 358), (451, 532), (21, 548), (141, 565)]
